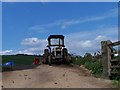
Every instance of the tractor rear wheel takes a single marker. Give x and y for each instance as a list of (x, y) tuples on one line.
[(46, 51), (65, 54), (49, 60), (45, 56)]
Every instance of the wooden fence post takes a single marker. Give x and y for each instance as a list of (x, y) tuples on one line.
[(105, 58), (109, 56)]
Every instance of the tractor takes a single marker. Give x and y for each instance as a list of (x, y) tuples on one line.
[(56, 51)]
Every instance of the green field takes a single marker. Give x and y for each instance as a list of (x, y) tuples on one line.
[(19, 59)]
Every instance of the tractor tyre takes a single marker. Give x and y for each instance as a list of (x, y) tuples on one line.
[(49, 60), (65, 54), (45, 56), (46, 51)]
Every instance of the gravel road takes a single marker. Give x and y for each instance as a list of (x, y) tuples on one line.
[(56, 76)]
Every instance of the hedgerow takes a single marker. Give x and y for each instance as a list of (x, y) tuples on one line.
[(93, 64), (88, 62)]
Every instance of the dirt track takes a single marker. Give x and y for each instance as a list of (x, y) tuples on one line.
[(60, 76)]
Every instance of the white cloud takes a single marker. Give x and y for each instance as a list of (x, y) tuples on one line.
[(6, 52), (12, 52), (63, 24), (89, 41), (101, 38), (33, 41), (34, 46), (25, 52), (45, 27), (111, 13), (32, 51)]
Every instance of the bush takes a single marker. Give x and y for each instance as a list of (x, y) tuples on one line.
[(94, 65), (97, 68), (76, 60)]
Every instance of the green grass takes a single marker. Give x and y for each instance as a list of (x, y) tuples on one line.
[(19, 59), (116, 83)]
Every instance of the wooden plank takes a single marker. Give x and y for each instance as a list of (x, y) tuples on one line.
[(114, 44), (114, 66), (114, 60), (113, 53), (115, 72), (109, 58)]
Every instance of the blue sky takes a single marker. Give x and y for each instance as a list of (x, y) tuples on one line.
[(26, 26)]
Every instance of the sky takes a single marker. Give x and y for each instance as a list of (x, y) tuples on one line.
[(27, 25), (60, 0)]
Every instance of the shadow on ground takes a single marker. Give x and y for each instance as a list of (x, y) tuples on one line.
[(25, 67), (18, 67)]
